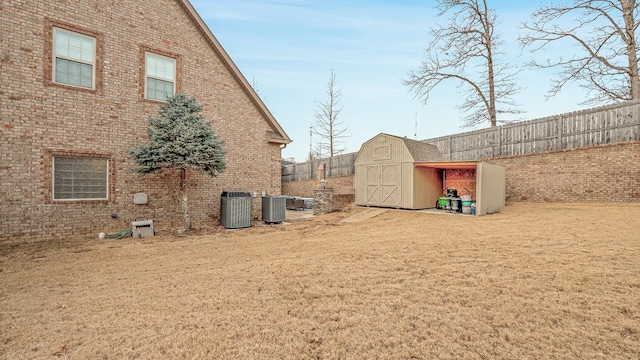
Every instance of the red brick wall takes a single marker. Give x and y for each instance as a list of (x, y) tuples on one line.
[(606, 173), (39, 118), (339, 184)]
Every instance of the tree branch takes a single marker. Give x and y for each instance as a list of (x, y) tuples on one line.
[(604, 32)]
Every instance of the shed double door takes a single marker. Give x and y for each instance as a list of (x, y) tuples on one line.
[(383, 183)]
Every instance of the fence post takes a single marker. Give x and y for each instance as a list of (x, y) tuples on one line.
[(499, 141), (559, 137), (353, 163)]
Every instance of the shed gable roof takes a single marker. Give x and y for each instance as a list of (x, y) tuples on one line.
[(421, 151), (417, 151), (278, 135)]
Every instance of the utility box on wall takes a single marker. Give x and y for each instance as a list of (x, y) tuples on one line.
[(142, 228)]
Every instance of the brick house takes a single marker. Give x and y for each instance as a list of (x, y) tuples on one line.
[(80, 79)]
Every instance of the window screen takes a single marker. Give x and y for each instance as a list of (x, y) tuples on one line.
[(80, 178), (160, 77), (74, 58)]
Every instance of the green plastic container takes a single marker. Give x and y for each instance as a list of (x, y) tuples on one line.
[(442, 202)]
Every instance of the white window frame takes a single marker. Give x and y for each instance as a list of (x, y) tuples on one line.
[(55, 56), (147, 76), (53, 178)]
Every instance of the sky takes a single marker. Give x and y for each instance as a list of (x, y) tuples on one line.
[(287, 48)]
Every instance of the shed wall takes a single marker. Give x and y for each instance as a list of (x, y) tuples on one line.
[(490, 181), (427, 188), (407, 186), (464, 180)]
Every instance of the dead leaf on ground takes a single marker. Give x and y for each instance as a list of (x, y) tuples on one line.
[(61, 351)]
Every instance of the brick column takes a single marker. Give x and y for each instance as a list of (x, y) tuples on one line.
[(322, 201)]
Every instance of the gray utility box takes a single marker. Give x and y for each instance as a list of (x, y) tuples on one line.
[(235, 209), (273, 209), (142, 228)]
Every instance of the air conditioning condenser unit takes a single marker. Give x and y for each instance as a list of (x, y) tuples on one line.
[(273, 209)]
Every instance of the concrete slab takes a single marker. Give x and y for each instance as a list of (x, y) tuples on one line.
[(298, 214), (440, 212)]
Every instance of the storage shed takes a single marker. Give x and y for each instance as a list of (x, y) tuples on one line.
[(385, 174), (392, 171)]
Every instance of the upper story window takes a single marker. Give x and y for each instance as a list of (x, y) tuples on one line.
[(74, 57), (160, 77)]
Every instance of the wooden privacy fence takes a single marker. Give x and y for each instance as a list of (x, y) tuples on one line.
[(335, 166), (604, 125), (597, 126)]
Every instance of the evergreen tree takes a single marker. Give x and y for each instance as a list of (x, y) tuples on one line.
[(180, 138)]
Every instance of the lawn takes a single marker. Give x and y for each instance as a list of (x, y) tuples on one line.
[(534, 281)]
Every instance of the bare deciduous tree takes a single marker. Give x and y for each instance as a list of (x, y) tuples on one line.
[(254, 85), (605, 61), (465, 51), (327, 126)]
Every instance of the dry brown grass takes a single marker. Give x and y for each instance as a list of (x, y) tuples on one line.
[(535, 281)]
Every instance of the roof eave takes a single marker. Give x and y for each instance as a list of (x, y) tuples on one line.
[(217, 47), (280, 141), (447, 164)]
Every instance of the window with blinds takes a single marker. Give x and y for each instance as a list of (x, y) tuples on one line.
[(80, 178), (160, 76), (73, 60)]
